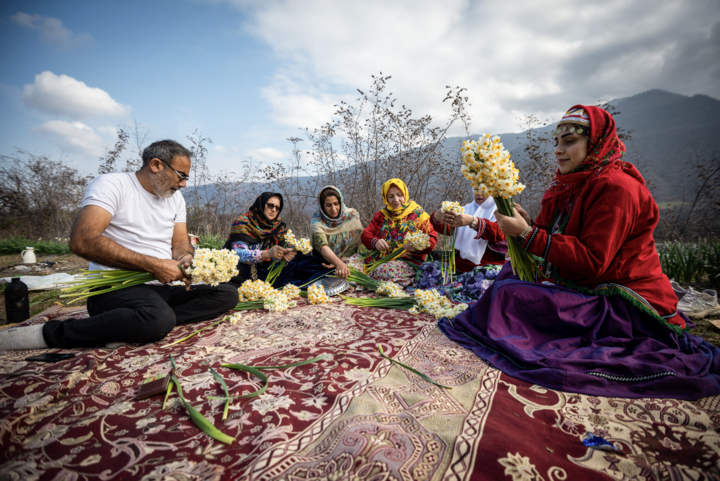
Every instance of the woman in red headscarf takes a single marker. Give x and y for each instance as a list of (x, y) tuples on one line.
[(604, 320)]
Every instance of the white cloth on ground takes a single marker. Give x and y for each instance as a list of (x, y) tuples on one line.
[(44, 283)]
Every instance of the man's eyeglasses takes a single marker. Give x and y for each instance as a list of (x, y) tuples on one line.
[(273, 207), (181, 175)]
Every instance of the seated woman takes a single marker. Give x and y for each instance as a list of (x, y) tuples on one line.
[(387, 231), (605, 321), (256, 236), (336, 230), (479, 241)]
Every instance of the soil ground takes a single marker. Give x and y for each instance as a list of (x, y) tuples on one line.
[(41, 300)]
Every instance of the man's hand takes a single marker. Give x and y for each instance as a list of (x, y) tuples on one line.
[(185, 263), (382, 246), (167, 271)]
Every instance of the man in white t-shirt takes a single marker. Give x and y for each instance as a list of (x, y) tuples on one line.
[(134, 221)]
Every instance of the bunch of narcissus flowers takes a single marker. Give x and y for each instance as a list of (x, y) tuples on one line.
[(419, 239), (435, 304), (301, 245), (453, 207), (213, 266), (291, 291), (317, 294), (252, 292), (489, 169), (278, 302), (392, 290)]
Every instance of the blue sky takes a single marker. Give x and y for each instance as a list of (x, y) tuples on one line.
[(249, 74)]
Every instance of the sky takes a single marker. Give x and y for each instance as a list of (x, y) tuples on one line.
[(249, 74)]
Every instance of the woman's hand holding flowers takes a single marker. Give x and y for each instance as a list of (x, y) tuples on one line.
[(382, 245), (289, 255), (524, 214), (341, 270), (275, 252), (511, 226), (409, 247), (457, 220)]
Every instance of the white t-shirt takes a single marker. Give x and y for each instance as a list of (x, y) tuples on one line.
[(141, 222)]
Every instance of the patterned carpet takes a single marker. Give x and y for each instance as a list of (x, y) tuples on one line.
[(351, 416)]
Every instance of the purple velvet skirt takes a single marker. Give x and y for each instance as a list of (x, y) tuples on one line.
[(561, 339)]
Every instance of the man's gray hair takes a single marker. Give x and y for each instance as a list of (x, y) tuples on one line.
[(165, 150)]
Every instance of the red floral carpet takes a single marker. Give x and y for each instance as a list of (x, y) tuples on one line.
[(351, 416)]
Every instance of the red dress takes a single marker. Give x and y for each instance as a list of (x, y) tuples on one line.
[(381, 228), (487, 230), (609, 239)]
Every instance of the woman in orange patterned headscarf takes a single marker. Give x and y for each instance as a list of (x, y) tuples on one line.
[(388, 228)]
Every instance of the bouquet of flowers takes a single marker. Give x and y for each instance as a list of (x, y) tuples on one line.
[(419, 239), (261, 295), (316, 294), (302, 245), (392, 290), (447, 265), (210, 266), (488, 167), (434, 304)]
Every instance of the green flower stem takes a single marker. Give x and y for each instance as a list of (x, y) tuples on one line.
[(227, 394), (167, 393), (197, 332), (200, 421), (249, 305), (411, 369), (274, 272), (400, 251), (383, 303), (523, 264), (362, 279)]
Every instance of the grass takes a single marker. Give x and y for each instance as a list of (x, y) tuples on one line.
[(211, 241), (14, 245), (688, 263)]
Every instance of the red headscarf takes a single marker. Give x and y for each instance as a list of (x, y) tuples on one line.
[(605, 150)]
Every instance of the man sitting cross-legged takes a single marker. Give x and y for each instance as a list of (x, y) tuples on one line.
[(134, 221)]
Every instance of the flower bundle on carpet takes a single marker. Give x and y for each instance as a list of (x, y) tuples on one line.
[(436, 305), (392, 290), (261, 295), (488, 167), (211, 266), (316, 294)]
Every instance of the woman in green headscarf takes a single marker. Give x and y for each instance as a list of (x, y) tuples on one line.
[(335, 229)]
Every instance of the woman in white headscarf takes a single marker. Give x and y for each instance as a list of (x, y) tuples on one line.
[(479, 241)]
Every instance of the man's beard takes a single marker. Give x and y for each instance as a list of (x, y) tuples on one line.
[(162, 185)]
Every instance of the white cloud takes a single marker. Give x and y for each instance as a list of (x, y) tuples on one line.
[(220, 149), (72, 136), (63, 95), (515, 57), (108, 130), (235, 149), (266, 154), (52, 31)]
